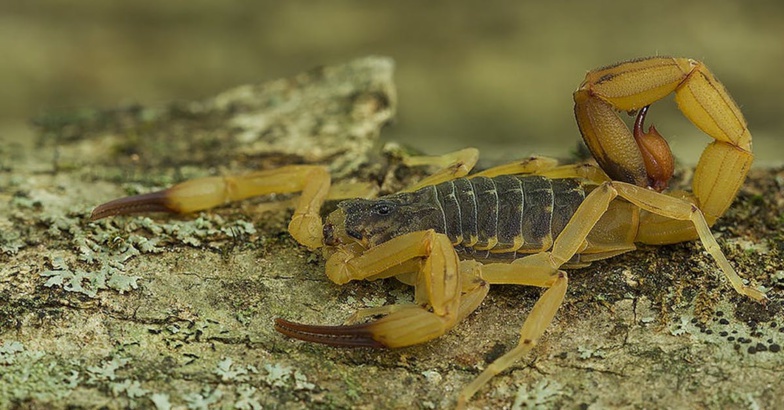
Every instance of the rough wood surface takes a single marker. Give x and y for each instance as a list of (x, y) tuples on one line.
[(177, 312)]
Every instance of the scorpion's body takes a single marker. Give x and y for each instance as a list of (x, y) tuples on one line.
[(497, 218), (445, 235)]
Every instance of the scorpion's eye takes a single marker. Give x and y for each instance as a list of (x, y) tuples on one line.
[(382, 208)]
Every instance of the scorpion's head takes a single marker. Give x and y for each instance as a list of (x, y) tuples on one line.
[(374, 221)]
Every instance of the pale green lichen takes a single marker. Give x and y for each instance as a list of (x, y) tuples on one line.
[(247, 398), (203, 400), (230, 372), (10, 239), (106, 371), (432, 376), (541, 395), (161, 401), (131, 389), (279, 375), (103, 249), (585, 353), (748, 401), (8, 351), (679, 327), (88, 283), (30, 374), (374, 301), (23, 201), (778, 278)]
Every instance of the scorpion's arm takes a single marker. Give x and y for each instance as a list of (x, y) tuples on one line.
[(440, 284), (205, 193), (635, 84)]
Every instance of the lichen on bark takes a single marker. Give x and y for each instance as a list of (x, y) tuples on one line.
[(172, 311)]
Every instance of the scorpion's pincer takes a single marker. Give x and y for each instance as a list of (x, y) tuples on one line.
[(185, 197), (359, 335), (152, 202)]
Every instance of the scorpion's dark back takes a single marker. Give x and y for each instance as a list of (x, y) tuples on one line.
[(507, 214), (483, 217)]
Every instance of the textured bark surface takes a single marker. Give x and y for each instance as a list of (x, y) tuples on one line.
[(177, 312)]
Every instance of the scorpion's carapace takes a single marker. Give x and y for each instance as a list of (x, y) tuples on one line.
[(448, 234)]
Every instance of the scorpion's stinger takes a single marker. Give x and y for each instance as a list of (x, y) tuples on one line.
[(342, 336), (655, 151)]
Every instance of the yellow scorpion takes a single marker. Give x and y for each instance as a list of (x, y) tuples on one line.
[(452, 235)]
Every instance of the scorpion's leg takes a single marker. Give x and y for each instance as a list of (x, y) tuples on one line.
[(541, 269), (453, 165), (349, 190), (547, 167), (458, 164), (585, 171), (686, 211), (205, 193), (535, 325), (544, 266), (635, 84), (441, 285), (530, 165)]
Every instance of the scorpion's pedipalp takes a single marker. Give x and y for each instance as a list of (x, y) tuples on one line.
[(209, 192), (402, 325), (343, 336), (186, 197), (446, 291)]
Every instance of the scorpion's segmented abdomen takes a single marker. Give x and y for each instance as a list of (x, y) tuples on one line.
[(506, 214)]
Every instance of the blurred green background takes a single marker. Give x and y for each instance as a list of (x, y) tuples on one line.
[(495, 75)]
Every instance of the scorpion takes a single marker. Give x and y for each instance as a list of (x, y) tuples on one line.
[(452, 235)]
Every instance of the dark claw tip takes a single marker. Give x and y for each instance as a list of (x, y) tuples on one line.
[(342, 336), (152, 202)]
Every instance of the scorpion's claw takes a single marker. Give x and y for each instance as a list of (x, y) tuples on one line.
[(152, 202), (186, 197), (359, 335), (402, 325)]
